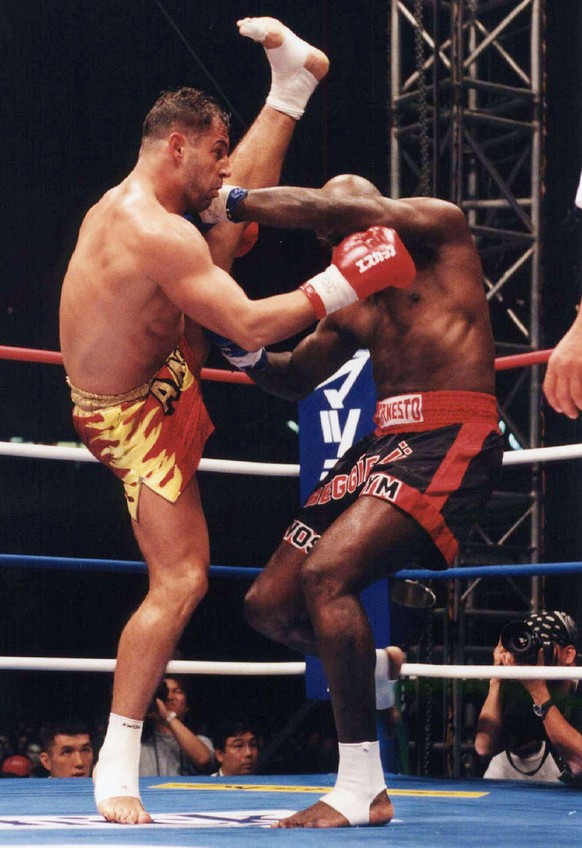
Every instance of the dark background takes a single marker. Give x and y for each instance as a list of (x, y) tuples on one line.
[(77, 78)]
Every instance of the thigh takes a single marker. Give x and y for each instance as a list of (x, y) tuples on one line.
[(369, 540), (172, 536), (279, 583)]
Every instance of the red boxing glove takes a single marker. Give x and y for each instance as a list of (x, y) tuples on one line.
[(363, 263)]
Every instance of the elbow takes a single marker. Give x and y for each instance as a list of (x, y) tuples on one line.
[(574, 763), (250, 339), (250, 331), (253, 332), (296, 396), (204, 762), (487, 741), (482, 747), (292, 394)]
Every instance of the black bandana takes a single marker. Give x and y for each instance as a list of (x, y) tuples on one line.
[(554, 626)]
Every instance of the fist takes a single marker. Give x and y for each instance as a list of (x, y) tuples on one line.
[(373, 260), (363, 263)]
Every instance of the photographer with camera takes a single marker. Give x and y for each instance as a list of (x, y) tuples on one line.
[(532, 729), (169, 746)]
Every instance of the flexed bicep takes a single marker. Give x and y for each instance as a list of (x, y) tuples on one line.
[(181, 265), (206, 294)]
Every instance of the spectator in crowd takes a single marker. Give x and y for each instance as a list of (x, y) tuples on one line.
[(236, 747), (532, 729), (169, 746), (6, 748), (16, 766), (67, 750), (33, 752)]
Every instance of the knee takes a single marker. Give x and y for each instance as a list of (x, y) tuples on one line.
[(256, 609), (263, 616), (192, 586), (320, 582), (183, 589), (197, 586)]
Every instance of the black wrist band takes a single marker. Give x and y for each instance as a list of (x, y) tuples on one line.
[(234, 198), (541, 709)]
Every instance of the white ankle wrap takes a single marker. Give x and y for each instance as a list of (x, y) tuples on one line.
[(359, 780), (117, 772), (291, 84), (290, 93), (385, 688)]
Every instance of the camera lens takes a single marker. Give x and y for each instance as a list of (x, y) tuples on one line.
[(522, 641)]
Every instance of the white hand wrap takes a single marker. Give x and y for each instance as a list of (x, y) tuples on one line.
[(329, 291), (578, 200)]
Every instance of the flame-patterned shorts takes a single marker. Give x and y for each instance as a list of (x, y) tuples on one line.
[(154, 434)]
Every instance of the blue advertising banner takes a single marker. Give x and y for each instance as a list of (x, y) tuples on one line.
[(337, 414)]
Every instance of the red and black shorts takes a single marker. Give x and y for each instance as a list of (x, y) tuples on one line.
[(435, 455)]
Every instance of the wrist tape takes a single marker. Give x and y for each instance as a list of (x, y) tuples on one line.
[(250, 360), (328, 291), (223, 207)]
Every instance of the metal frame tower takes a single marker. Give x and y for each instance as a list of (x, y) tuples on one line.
[(466, 109)]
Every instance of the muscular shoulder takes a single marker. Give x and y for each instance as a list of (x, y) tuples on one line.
[(172, 245), (438, 219), (130, 215)]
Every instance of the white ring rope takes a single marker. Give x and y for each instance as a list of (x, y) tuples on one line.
[(521, 457), (288, 669), (81, 454), (266, 469), (504, 672), (244, 669)]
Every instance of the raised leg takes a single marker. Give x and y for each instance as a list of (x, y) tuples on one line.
[(257, 160)]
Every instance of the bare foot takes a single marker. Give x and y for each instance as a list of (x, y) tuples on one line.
[(272, 33), (124, 811), (322, 815)]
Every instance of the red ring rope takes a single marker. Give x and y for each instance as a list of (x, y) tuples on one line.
[(53, 357), (22, 354), (536, 357)]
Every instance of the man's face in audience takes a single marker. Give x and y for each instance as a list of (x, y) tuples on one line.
[(177, 700), (240, 754), (69, 756)]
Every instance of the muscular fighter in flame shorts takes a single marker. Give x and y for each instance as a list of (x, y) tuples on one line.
[(153, 435)]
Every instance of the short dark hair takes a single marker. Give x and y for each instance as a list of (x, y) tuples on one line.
[(66, 727), (182, 680), (232, 727), (184, 107)]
